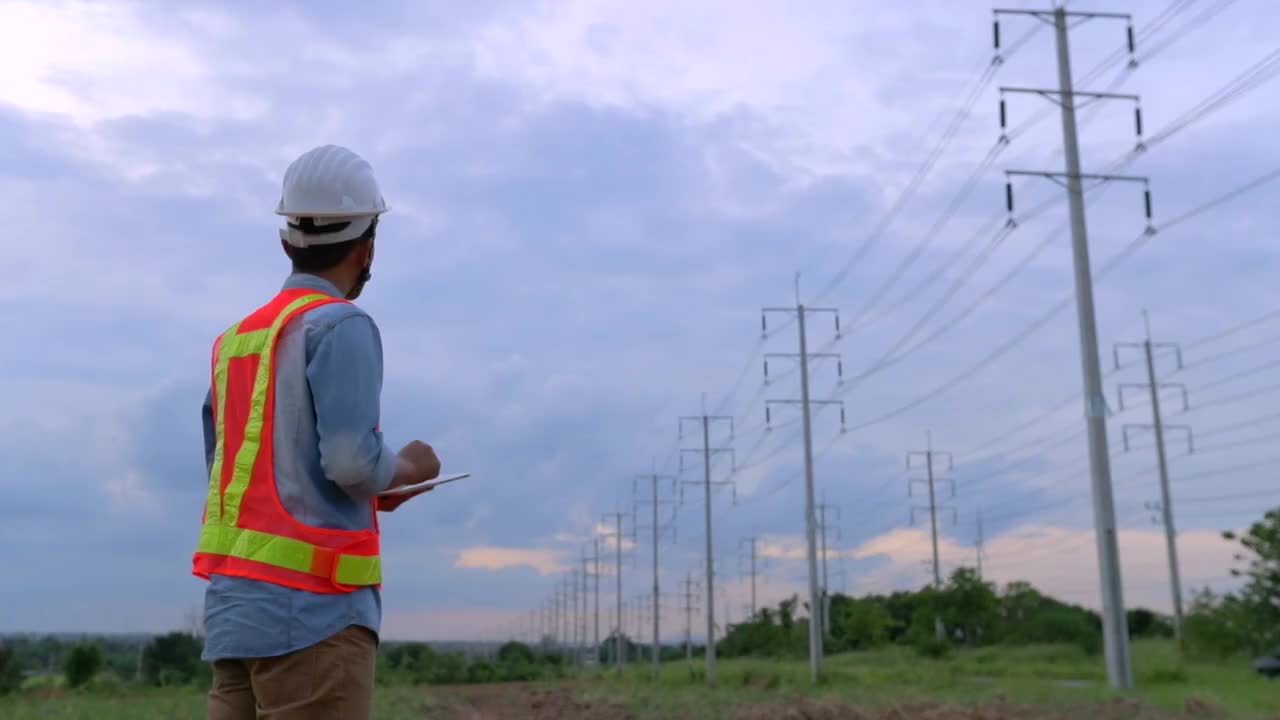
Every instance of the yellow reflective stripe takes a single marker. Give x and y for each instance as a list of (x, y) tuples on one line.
[(245, 344), (213, 503), (359, 570), (247, 453), (217, 539), (284, 552)]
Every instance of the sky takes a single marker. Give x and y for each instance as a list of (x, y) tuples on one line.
[(592, 201)]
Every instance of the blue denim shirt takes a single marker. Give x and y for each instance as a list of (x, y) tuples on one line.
[(330, 459)]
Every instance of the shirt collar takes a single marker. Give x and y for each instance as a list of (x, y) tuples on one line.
[(306, 281)]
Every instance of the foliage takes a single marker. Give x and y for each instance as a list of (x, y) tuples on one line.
[(515, 652), (1258, 601), (1144, 623), (83, 662), (172, 659), (10, 671), (863, 624), (932, 647), (969, 607)]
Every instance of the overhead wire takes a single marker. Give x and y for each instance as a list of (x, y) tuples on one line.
[(922, 172)]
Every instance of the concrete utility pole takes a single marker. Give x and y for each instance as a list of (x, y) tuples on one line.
[(929, 456), (594, 557), (1115, 627), (980, 542), (823, 508), (617, 543), (1157, 426), (579, 614), (753, 558), (800, 313), (707, 452), (586, 592), (655, 528), (689, 588)]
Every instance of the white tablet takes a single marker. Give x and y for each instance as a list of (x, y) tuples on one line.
[(410, 489)]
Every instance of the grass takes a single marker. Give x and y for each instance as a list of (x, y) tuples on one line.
[(1051, 676), (1055, 676)]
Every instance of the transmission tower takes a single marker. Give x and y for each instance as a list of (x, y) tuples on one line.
[(801, 314), (655, 502), (1158, 428), (1115, 628), (708, 452)]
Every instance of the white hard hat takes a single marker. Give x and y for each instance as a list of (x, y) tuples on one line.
[(329, 195)]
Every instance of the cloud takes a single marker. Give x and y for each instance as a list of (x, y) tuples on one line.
[(592, 202), (546, 562)]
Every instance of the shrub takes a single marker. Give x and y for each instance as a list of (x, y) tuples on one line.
[(932, 647), (82, 664)]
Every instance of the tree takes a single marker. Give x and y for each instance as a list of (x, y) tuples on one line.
[(969, 605), (866, 624), (1144, 623), (82, 664), (10, 671), (515, 652), (172, 659), (1260, 596)]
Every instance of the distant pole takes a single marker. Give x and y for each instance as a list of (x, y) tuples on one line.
[(980, 542), (823, 508), (616, 517), (1158, 427), (933, 522), (595, 543), (688, 617), (711, 606), (654, 500), (931, 480), (707, 451), (800, 312), (656, 667)]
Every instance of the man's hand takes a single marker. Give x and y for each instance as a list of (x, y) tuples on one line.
[(388, 503), (417, 463)]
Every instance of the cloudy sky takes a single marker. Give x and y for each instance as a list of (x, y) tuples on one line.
[(592, 201)]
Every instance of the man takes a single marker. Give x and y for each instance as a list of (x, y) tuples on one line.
[(296, 461)]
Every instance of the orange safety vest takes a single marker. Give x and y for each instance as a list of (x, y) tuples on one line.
[(247, 532)]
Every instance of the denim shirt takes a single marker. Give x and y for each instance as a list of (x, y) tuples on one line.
[(330, 459)]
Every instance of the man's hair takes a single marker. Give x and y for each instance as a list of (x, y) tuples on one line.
[(318, 258)]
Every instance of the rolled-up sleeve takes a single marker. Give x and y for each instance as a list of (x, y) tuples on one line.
[(210, 435), (345, 377)]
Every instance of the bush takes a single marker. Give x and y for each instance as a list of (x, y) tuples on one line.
[(1165, 676), (932, 647), (10, 671), (866, 624), (172, 659), (82, 664), (513, 652), (481, 671)]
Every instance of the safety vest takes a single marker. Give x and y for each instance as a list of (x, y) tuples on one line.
[(246, 531)]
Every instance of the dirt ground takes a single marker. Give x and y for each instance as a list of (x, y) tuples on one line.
[(519, 702), (515, 701)]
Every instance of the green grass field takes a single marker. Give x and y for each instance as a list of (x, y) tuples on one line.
[(1050, 676), (1058, 676)]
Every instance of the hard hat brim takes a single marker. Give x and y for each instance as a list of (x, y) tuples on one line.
[(330, 214)]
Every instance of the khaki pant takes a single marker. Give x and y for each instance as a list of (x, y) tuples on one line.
[(331, 680)]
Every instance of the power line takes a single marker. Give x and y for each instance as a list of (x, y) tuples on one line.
[(931, 159)]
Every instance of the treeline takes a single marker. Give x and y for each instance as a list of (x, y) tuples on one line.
[(102, 662), (967, 611), (409, 663)]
